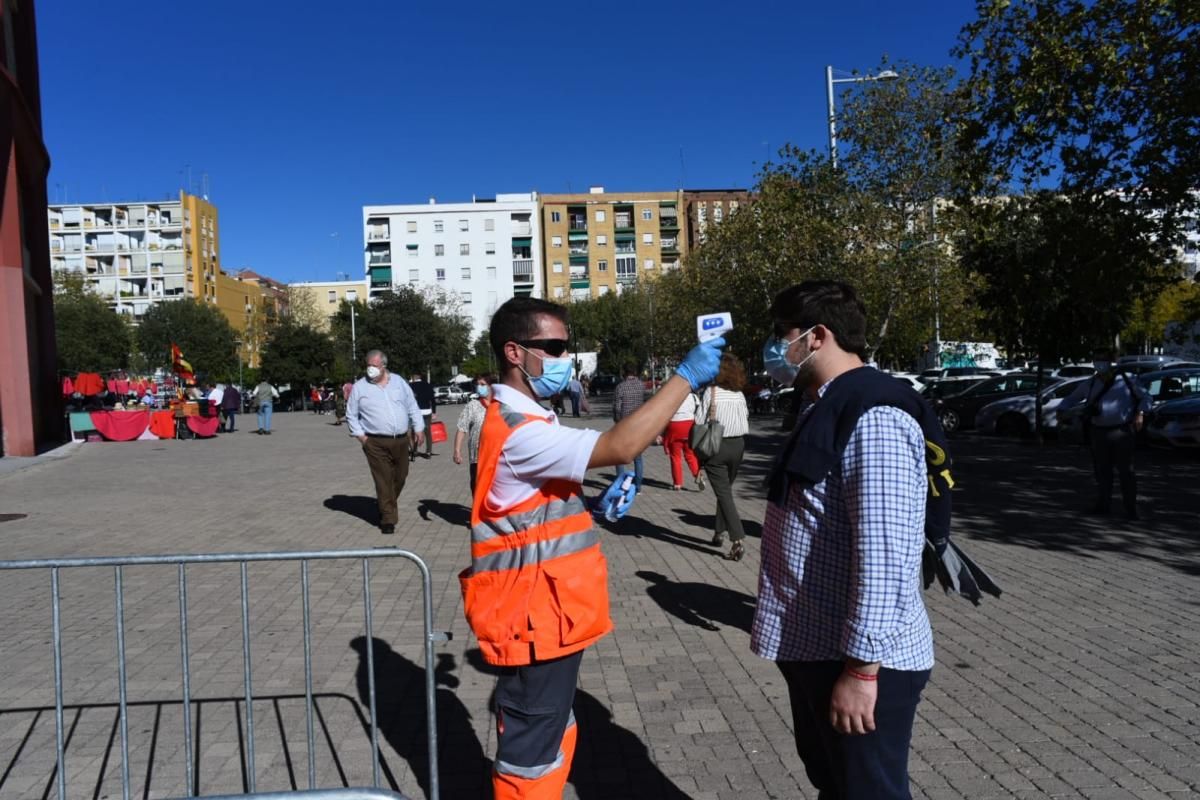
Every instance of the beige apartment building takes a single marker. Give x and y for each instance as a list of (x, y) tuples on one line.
[(707, 208), (327, 296), (602, 242)]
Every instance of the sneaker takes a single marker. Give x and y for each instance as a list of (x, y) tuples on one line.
[(387, 528), (700, 483)]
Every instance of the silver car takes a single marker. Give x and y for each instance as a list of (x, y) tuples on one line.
[(1015, 416)]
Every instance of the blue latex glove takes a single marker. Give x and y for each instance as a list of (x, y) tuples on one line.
[(616, 502), (701, 365)]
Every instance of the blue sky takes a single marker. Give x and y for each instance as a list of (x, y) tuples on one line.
[(302, 112)]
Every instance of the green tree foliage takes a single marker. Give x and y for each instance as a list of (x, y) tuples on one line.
[(298, 355), (202, 332), (1098, 96), (417, 332), (1150, 315), (91, 336), (482, 360), (621, 328)]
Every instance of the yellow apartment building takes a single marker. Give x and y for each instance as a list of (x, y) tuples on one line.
[(327, 296), (602, 242)]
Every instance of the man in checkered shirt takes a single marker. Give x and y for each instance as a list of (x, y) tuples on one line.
[(839, 607)]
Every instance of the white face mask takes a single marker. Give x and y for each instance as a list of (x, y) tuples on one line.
[(373, 372)]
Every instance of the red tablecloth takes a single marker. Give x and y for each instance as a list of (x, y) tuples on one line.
[(121, 426), (203, 426), (162, 424)]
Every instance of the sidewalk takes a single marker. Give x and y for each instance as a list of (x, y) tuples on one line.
[(1080, 682)]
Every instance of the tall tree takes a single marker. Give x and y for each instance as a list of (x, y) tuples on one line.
[(1093, 96), (298, 355), (202, 332), (91, 336)]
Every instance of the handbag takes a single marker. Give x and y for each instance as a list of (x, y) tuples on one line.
[(705, 438), (437, 432)]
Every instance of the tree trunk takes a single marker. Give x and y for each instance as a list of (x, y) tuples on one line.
[(873, 348)]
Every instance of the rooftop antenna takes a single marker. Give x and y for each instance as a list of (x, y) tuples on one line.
[(682, 170), (204, 186)]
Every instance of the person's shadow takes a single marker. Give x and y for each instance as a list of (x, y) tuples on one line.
[(365, 508), (610, 761), (463, 768), (708, 522), (700, 604), (454, 513)]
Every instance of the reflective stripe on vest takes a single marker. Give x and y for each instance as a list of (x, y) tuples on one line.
[(524, 520), (536, 552)]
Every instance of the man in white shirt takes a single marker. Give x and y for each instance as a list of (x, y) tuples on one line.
[(536, 594)]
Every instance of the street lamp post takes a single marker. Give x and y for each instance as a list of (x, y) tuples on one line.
[(885, 75)]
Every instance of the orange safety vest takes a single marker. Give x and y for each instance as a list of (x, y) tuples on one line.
[(537, 587)]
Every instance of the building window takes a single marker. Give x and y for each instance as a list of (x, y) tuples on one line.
[(555, 216), (466, 273), (437, 226), (332, 296), (647, 238), (411, 226), (556, 241), (648, 263), (489, 248), (626, 267), (464, 224), (733, 206), (412, 251), (351, 295), (558, 267), (601, 215), (441, 274), (491, 273), (466, 298), (558, 292), (647, 214), (603, 289), (601, 240), (717, 214), (414, 275), (439, 249), (489, 224), (464, 249), (602, 265)]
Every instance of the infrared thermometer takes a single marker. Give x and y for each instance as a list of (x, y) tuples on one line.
[(710, 326)]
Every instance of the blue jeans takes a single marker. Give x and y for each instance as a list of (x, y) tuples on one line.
[(264, 416), (638, 470)]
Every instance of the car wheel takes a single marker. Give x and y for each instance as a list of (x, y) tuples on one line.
[(949, 418), (1012, 425)]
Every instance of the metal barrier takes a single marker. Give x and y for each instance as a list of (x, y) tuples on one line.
[(182, 561)]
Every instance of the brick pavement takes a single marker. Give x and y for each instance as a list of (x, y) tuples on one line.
[(1080, 682)]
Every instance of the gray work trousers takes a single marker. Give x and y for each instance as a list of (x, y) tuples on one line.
[(1113, 448), (722, 470)]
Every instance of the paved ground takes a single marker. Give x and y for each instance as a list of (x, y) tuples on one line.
[(1080, 682)]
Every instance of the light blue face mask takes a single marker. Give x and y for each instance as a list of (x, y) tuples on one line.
[(483, 390), (556, 374), (775, 358)]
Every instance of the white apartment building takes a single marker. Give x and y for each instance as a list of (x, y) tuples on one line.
[(483, 252)]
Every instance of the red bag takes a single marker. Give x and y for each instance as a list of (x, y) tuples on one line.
[(437, 432)]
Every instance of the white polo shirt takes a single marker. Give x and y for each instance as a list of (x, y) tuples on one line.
[(536, 453)]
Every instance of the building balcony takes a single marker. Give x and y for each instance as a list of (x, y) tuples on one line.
[(577, 225), (625, 248), (579, 273), (670, 245), (523, 270), (522, 229), (579, 250), (626, 277), (378, 236)]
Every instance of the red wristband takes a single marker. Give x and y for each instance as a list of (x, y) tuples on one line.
[(862, 676)]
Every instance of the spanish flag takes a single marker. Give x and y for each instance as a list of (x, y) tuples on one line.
[(181, 368)]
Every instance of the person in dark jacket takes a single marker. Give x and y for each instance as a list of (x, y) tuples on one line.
[(231, 404), (428, 403)]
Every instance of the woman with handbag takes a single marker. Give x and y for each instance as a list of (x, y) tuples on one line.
[(722, 423), (675, 441)]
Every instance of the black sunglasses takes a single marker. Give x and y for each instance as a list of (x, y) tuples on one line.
[(551, 347)]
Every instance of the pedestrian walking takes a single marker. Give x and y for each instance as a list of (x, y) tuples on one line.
[(675, 442), (264, 396), (536, 608), (428, 404), (383, 415), (725, 402), (1114, 411), (231, 404), (470, 425), (839, 592), (629, 396), (575, 393)]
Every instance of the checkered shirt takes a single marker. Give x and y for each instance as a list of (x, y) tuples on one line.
[(841, 561)]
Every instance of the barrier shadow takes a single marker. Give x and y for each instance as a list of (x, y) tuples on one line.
[(360, 506)]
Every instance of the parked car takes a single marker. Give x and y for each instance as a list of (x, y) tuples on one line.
[(1176, 423), (942, 373), (448, 394), (1074, 371), (951, 386), (1163, 386), (908, 378), (957, 412), (1136, 365), (1015, 416), (602, 384)]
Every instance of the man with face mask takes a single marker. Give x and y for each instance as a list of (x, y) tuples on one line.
[(1114, 409), (383, 415), (536, 593), (840, 608)]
